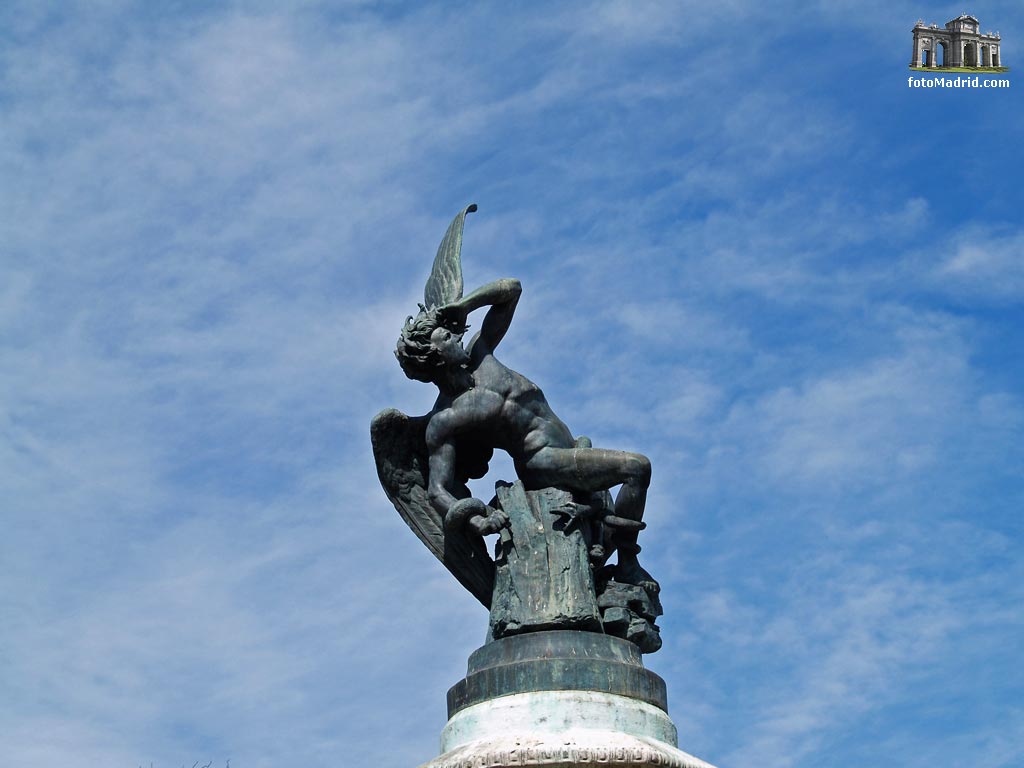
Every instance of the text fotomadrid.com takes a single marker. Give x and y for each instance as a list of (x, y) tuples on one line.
[(956, 82)]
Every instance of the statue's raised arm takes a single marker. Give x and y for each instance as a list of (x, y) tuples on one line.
[(501, 296)]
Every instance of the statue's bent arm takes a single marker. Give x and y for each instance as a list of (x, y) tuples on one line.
[(502, 296), (474, 514), (442, 465)]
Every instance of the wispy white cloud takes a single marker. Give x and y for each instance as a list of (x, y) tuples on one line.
[(217, 221), (984, 263), (888, 417)]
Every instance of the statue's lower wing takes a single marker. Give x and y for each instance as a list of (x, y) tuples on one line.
[(400, 450)]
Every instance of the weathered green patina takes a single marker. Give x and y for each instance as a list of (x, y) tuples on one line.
[(558, 525), (557, 661)]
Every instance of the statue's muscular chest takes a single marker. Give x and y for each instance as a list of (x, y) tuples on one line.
[(475, 408), (491, 406)]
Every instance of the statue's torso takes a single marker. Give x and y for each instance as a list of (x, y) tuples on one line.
[(507, 406)]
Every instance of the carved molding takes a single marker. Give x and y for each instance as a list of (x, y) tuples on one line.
[(605, 757)]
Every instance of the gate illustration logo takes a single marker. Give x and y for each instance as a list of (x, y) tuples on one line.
[(959, 47)]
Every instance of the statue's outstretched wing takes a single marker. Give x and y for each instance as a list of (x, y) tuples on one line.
[(400, 450), (445, 282)]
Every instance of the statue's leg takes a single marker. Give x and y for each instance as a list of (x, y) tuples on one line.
[(598, 469)]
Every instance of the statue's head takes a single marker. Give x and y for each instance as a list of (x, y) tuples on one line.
[(428, 346)]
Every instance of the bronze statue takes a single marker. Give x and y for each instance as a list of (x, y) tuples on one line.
[(424, 464)]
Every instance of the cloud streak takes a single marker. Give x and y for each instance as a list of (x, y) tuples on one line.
[(215, 222)]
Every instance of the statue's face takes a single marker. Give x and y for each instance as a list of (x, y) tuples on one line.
[(449, 345)]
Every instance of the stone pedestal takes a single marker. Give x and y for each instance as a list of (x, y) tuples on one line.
[(559, 699)]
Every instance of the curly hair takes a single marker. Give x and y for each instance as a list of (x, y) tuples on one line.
[(419, 359), (416, 355)]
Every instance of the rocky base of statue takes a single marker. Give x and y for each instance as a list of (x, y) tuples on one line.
[(559, 699), (551, 571), (629, 612)]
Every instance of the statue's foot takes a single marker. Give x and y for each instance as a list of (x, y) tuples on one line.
[(630, 572)]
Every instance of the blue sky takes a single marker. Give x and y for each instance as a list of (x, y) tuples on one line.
[(748, 250)]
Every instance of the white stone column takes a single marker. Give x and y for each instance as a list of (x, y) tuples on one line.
[(583, 729), (561, 699)]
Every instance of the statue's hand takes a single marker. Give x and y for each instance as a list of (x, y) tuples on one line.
[(453, 317), (475, 516), (492, 521), (576, 511)]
